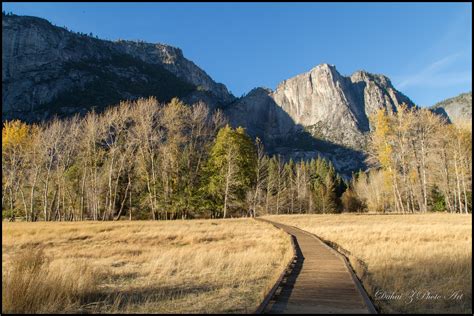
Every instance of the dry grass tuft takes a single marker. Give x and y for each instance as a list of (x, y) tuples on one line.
[(147, 267), (33, 285), (411, 255)]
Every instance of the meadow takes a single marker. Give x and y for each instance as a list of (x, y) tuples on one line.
[(202, 266), (407, 263)]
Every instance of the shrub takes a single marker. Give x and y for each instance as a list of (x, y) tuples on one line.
[(351, 202), (438, 203)]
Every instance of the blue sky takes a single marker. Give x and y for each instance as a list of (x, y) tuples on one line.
[(424, 48)]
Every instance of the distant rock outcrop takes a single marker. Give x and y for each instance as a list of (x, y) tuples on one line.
[(457, 109)]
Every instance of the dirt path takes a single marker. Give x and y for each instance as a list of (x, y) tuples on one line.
[(320, 281)]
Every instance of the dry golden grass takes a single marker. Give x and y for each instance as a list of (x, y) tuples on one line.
[(154, 267), (398, 254), (33, 286)]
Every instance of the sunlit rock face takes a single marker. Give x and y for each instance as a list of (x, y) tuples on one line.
[(327, 104), (320, 104)]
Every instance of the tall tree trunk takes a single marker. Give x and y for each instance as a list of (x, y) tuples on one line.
[(458, 192), (24, 204), (46, 188), (447, 191), (130, 206), (423, 169), (124, 199)]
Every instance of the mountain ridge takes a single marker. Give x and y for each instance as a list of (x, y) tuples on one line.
[(41, 62), (48, 70)]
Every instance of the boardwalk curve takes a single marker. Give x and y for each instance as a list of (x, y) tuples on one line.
[(319, 280)]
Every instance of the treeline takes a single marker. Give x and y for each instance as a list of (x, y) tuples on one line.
[(146, 160), (419, 164)]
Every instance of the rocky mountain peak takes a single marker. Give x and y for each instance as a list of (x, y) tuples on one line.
[(321, 72), (324, 67), (259, 91), (362, 75)]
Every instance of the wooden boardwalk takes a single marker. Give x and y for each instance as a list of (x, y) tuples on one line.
[(318, 281)]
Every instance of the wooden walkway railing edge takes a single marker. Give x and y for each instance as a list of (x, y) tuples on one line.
[(272, 291)]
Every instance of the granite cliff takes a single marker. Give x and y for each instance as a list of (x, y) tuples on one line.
[(48, 70), (319, 112), (322, 102)]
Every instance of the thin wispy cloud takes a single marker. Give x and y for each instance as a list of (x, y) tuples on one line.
[(438, 73)]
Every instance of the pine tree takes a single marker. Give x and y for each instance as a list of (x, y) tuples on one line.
[(231, 168)]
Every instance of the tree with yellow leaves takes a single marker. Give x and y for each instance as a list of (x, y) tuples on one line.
[(15, 139), (381, 147), (426, 161)]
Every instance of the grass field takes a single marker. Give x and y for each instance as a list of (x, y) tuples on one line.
[(408, 263), (206, 266)]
